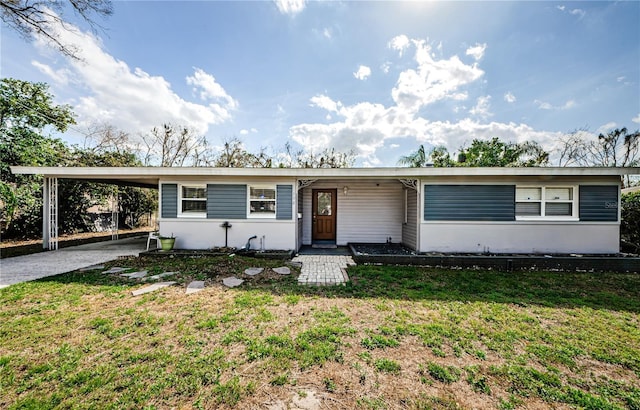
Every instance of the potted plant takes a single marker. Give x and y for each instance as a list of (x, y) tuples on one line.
[(167, 242)]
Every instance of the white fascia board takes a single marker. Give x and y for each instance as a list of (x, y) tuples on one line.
[(156, 173)]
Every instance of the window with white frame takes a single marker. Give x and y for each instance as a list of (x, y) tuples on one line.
[(546, 202), (193, 200), (262, 201)]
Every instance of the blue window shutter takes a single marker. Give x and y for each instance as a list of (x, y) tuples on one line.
[(599, 203), (284, 198), (169, 200), (226, 201), (469, 202)]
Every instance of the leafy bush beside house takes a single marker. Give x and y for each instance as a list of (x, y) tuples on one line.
[(630, 225)]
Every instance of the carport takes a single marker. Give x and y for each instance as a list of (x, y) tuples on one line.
[(141, 178)]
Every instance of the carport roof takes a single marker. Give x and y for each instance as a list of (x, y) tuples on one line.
[(150, 176)]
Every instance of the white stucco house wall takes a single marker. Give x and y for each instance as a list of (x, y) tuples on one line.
[(453, 210)]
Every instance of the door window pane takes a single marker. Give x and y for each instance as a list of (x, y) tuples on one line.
[(324, 203)]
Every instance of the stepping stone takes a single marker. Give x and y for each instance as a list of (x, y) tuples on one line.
[(253, 271), (92, 267), (115, 269), (232, 282), (151, 288), (283, 270), (135, 275), (160, 275), (195, 286)]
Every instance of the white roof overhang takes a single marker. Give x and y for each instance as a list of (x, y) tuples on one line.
[(150, 176)]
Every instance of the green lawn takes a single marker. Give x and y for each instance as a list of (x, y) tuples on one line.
[(394, 337)]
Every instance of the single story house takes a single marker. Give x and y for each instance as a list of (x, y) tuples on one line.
[(469, 210)]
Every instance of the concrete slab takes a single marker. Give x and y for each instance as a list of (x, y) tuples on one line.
[(135, 275), (160, 275), (39, 265), (253, 271), (283, 270), (151, 288), (195, 286), (92, 267), (232, 282), (115, 269)]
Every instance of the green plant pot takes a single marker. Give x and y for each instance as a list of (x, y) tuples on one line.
[(167, 243)]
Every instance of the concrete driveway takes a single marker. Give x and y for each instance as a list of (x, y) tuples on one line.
[(39, 265)]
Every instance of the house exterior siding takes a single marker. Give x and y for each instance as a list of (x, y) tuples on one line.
[(410, 227), (370, 212), (595, 230), (227, 202)]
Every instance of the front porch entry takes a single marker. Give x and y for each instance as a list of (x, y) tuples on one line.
[(324, 212)]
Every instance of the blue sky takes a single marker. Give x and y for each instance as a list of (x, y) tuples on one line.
[(380, 78)]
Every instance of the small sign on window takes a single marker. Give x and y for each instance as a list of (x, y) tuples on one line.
[(611, 205)]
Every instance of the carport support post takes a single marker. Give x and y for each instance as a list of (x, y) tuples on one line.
[(50, 213)]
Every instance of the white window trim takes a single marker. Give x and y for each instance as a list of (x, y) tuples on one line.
[(574, 204), (275, 201), (180, 198)]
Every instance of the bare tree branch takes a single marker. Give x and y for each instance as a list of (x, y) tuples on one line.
[(38, 18)]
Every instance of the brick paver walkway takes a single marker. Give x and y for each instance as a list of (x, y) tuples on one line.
[(323, 269)]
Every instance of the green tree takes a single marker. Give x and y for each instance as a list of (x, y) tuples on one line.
[(27, 112), (481, 153), (497, 153), (630, 225), (416, 159)]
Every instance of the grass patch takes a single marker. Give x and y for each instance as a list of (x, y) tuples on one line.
[(387, 366), (80, 340), (445, 374)]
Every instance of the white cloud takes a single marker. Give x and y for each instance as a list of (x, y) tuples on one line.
[(399, 43), (290, 7), (621, 79), (369, 128), (363, 72), (386, 67), (605, 128), (60, 76), (578, 12), (132, 99), (326, 103), (208, 88), (477, 51), (482, 107), (327, 33), (247, 131), (509, 97), (433, 80), (543, 105), (394, 146), (636, 119), (574, 12)]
